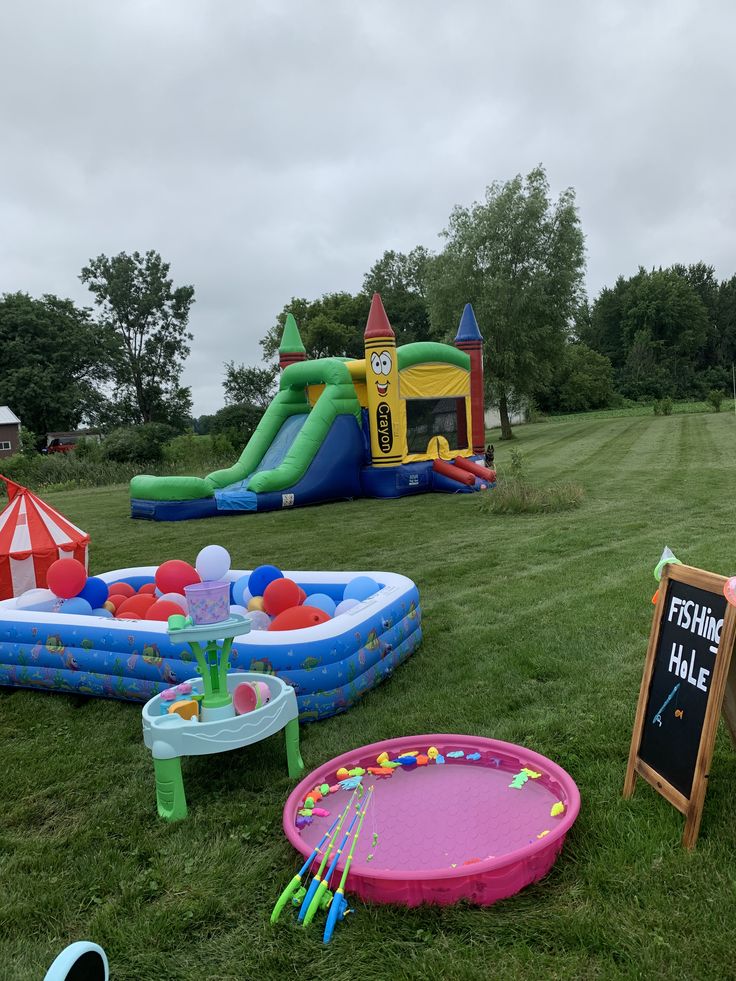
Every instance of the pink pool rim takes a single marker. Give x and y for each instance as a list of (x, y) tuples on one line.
[(449, 832)]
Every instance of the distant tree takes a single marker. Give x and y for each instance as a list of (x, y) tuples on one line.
[(329, 327), (654, 327), (716, 397), (518, 257), (252, 385), (53, 361), (146, 320), (236, 422), (582, 380), (401, 279)]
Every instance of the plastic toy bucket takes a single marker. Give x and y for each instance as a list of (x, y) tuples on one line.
[(208, 602)]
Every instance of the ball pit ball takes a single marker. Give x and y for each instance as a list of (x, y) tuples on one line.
[(302, 597), (121, 589), (321, 601), (212, 563), (116, 600), (95, 591), (177, 598), (240, 591), (280, 595), (345, 606), (66, 578), (261, 577), (162, 609), (255, 603), (139, 605), (148, 587), (259, 620), (298, 617), (102, 612), (128, 616), (174, 575), (361, 588), (76, 605), (109, 606)]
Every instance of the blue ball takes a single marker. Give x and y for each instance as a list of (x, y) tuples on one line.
[(361, 588), (76, 605), (238, 591), (261, 577), (95, 592), (102, 612), (321, 601)]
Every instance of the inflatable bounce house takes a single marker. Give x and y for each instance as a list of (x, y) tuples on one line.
[(402, 420)]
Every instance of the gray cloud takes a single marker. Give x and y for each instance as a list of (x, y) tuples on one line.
[(274, 149)]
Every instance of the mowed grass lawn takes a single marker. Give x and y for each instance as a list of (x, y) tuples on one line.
[(535, 632)]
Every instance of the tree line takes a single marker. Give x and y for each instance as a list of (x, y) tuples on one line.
[(517, 255)]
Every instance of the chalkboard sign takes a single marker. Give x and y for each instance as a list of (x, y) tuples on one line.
[(682, 690), (681, 682)]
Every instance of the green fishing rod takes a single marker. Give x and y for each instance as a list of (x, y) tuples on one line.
[(319, 894), (291, 889), (338, 907), (318, 875)]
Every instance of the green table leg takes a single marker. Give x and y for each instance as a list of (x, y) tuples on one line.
[(170, 797), (293, 756)]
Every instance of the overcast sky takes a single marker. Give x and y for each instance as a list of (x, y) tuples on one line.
[(276, 149)]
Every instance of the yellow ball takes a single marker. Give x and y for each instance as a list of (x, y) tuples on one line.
[(255, 603)]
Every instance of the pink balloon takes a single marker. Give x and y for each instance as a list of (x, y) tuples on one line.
[(729, 590)]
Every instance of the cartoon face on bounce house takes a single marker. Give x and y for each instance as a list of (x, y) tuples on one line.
[(401, 420)]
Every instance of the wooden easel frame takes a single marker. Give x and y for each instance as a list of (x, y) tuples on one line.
[(722, 696)]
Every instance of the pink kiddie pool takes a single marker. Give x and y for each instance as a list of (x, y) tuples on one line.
[(479, 820)]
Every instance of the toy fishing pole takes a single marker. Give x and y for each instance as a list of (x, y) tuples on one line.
[(319, 898), (292, 888), (338, 907), (325, 858)]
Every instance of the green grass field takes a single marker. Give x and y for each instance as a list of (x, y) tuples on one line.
[(535, 632)]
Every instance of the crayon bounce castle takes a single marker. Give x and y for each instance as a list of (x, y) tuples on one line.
[(402, 420)]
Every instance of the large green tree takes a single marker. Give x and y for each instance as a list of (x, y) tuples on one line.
[(146, 320), (518, 257), (656, 329), (401, 279), (331, 326), (53, 360), (248, 384)]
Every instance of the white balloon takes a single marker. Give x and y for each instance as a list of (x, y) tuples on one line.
[(259, 620), (345, 606), (175, 598), (32, 597), (241, 610), (213, 563)]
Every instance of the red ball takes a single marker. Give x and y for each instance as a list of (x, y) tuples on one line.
[(162, 610), (121, 589), (280, 595), (136, 604), (148, 587), (174, 575), (298, 617), (66, 578), (117, 600), (127, 616), (302, 596)]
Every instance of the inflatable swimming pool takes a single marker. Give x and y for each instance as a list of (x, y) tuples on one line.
[(330, 666)]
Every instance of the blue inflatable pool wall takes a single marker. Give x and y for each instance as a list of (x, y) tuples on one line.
[(330, 666)]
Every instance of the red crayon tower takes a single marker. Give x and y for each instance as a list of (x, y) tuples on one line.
[(470, 340), (291, 348)]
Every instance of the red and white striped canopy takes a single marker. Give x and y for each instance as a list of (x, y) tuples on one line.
[(32, 537)]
